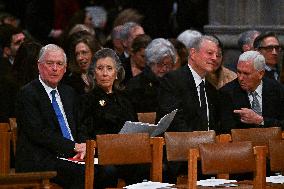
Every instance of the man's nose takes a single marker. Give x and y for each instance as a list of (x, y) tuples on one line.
[(274, 51)]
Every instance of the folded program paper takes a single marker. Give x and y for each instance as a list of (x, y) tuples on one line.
[(150, 185), (215, 182), (279, 179), (152, 129)]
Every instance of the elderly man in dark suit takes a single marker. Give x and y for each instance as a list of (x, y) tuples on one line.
[(187, 90), (46, 124), (252, 100)]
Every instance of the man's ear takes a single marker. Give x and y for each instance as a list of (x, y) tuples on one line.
[(124, 43), (6, 52), (192, 52), (261, 73), (246, 47)]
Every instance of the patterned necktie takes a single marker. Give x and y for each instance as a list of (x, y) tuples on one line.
[(255, 103), (64, 129), (203, 102)]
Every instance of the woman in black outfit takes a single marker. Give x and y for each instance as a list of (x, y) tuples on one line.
[(104, 111)]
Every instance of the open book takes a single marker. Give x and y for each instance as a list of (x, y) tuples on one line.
[(152, 129)]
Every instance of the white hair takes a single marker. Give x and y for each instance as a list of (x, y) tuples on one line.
[(257, 58), (188, 37)]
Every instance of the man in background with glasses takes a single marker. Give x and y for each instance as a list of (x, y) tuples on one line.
[(268, 45)]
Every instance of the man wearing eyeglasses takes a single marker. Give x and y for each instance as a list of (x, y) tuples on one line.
[(268, 45)]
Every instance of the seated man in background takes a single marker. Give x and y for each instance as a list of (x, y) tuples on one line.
[(46, 125), (269, 46), (252, 100)]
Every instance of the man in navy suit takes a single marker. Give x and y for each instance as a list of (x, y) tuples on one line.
[(252, 100), (40, 141)]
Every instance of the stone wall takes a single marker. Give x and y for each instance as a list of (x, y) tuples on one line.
[(229, 18)]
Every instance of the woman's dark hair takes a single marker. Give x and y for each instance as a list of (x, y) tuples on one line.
[(139, 42), (181, 50), (25, 64), (81, 37)]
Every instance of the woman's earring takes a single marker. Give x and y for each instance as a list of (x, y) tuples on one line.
[(116, 77)]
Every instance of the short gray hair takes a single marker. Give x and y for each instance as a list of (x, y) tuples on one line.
[(197, 43), (157, 50), (50, 48), (188, 37), (247, 37), (254, 56), (126, 29)]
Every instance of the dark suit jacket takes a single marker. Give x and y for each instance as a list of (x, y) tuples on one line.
[(178, 91), (40, 139), (234, 97), (76, 82), (142, 91), (5, 67)]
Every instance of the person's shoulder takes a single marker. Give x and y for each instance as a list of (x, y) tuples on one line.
[(176, 75), (31, 86), (272, 85), (230, 86)]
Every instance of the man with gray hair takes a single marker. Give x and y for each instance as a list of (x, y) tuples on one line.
[(129, 31), (246, 40), (188, 37), (252, 100), (187, 90), (46, 123)]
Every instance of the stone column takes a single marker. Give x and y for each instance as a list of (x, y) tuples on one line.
[(228, 18)]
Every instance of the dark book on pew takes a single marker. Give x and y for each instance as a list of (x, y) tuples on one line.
[(152, 129)]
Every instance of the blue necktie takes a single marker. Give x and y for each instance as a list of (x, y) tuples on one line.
[(63, 126)]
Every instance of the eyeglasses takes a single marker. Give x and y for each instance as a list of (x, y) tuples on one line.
[(58, 64), (271, 47), (164, 65)]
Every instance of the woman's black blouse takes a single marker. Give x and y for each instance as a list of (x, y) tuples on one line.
[(102, 113)]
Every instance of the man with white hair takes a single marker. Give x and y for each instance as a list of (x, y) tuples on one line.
[(252, 100)]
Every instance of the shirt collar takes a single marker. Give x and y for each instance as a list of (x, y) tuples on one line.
[(196, 77), (266, 67), (259, 89), (47, 88)]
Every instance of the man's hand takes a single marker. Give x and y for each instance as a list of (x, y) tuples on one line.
[(249, 116), (80, 149)]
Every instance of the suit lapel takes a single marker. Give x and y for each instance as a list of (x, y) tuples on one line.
[(46, 103), (191, 90), (268, 96), (241, 99)]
